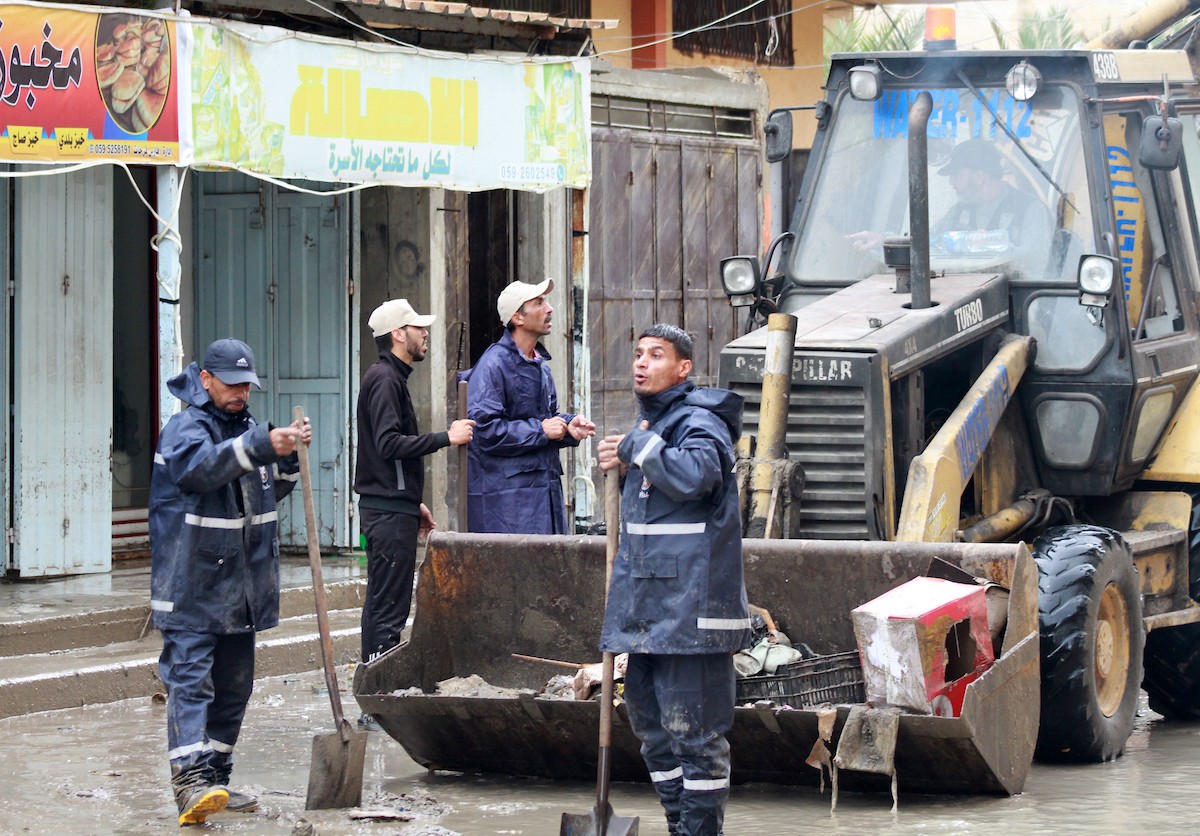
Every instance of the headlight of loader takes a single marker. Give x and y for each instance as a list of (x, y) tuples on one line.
[(1023, 81), (864, 82), (1096, 276), (739, 275)]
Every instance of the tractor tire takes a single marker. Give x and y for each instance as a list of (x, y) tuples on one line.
[(1172, 678), (1090, 621)]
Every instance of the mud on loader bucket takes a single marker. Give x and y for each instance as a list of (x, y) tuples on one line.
[(483, 597)]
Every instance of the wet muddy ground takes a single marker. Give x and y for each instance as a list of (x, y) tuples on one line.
[(101, 770)]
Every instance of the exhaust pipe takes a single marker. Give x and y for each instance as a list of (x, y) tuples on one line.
[(918, 198), (770, 483), (777, 386)]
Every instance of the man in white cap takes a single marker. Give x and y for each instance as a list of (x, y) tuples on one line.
[(389, 477), (514, 475)]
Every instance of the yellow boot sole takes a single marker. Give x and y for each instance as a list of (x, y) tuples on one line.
[(213, 801)]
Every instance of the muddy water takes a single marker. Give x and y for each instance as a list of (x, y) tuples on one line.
[(100, 770)]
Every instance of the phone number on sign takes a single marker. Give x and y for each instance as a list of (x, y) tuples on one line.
[(533, 172)]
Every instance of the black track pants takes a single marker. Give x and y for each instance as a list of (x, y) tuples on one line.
[(391, 562)]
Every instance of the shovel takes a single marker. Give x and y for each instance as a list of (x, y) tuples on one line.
[(335, 776), (602, 820)]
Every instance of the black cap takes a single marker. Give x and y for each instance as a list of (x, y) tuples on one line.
[(974, 153), (232, 362)]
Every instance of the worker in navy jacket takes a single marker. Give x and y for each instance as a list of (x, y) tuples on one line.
[(214, 577), (514, 476), (677, 602)]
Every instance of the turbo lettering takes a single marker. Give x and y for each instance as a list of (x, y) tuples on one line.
[(969, 314)]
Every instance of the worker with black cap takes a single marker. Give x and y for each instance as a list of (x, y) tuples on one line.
[(989, 217), (214, 576), (986, 202)]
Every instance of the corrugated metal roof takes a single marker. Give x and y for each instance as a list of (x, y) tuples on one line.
[(424, 23), (501, 15)]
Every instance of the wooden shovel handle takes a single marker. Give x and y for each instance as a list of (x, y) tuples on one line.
[(318, 579), (461, 452), (612, 519)]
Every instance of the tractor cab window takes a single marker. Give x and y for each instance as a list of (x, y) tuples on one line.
[(1191, 174), (1012, 200), (1152, 303)]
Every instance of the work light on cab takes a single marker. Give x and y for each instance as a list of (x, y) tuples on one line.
[(1096, 274), (864, 82), (1022, 81), (739, 275)]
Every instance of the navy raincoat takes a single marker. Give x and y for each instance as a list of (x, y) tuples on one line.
[(213, 525), (514, 476), (677, 585)]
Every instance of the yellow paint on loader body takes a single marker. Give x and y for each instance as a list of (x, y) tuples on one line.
[(937, 477)]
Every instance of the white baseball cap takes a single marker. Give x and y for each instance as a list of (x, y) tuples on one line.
[(517, 294), (396, 313)]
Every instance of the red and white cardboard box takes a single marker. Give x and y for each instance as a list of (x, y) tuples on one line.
[(922, 643)]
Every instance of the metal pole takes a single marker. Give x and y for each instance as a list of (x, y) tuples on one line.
[(170, 345), (1144, 24)]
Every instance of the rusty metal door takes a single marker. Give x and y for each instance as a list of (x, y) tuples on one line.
[(664, 211)]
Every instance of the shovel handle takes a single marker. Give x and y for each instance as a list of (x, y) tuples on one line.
[(318, 578), (462, 460), (612, 518)]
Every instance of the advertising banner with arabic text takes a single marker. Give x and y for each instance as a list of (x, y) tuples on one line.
[(268, 101), (77, 86)]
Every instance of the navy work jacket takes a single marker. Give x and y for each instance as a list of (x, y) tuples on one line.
[(514, 476), (677, 584), (215, 560)]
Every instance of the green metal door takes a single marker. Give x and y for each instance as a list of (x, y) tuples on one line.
[(272, 269)]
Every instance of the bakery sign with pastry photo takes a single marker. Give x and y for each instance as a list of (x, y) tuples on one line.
[(83, 85)]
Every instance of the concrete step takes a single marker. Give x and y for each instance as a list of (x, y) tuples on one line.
[(52, 630), (67, 677)]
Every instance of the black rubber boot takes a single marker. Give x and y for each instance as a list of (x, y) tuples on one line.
[(239, 802)]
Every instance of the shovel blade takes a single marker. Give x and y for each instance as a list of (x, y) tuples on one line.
[(599, 822), (335, 776)]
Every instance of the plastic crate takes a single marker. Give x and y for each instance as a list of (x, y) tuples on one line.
[(836, 678)]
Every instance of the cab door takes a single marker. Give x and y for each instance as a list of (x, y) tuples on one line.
[(1157, 252)]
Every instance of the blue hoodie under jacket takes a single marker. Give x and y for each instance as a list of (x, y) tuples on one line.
[(213, 524), (677, 584)]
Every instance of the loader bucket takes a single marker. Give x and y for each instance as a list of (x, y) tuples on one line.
[(482, 598)]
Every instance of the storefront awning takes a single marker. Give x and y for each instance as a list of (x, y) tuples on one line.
[(113, 85), (436, 23)]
